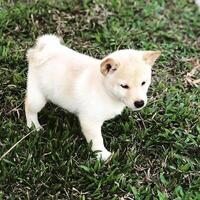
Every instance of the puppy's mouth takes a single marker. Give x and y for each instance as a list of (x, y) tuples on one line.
[(137, 109)]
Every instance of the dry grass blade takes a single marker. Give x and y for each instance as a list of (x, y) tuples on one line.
[(191, 77), (9, 150)]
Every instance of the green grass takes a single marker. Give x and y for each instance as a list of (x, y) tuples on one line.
[(157, 150)]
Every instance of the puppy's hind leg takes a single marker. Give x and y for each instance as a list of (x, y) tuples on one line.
[(34, 102)]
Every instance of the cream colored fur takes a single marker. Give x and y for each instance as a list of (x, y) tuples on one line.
[(95, 90)]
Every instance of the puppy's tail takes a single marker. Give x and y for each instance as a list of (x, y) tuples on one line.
[(43, 49)]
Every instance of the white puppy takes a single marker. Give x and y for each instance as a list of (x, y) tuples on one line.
[(95, 90)]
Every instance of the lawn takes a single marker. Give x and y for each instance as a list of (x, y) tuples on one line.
[(157, 150)]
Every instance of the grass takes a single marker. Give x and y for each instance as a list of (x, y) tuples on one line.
[(157, 150)]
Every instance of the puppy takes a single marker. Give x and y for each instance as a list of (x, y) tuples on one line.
[(95, 90)]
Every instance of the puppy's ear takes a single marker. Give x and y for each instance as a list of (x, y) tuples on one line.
[(151, 56), (109, 65)]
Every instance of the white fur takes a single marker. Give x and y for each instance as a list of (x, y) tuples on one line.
[(74, 82)]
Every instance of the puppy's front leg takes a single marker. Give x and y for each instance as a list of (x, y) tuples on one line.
[(92, 131)]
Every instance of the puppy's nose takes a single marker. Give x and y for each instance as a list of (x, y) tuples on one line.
[(139, 104)]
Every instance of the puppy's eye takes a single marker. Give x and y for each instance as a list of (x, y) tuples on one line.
[(124, 86), (143, 83)]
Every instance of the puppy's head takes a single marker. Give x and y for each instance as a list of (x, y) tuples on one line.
[(127, 76)]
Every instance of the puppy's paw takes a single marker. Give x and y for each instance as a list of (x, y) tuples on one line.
[(35, 127), (104, 155), (39, 128)]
